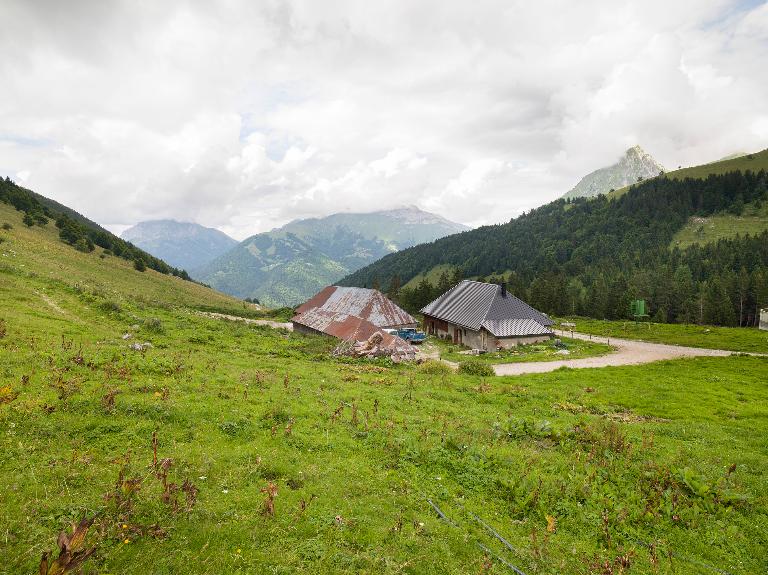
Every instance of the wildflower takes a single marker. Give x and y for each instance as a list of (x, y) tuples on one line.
[(127, 541)]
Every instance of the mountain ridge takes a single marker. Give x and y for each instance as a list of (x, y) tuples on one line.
[(187, 245), (287, 265)]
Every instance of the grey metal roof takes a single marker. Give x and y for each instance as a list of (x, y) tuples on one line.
[(470, 304), (515, 327), (515, 308), (465, 304)]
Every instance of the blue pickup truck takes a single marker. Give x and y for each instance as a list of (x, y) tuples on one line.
[(411, 335)]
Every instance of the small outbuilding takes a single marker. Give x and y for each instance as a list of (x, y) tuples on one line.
[(485, 316), (355, 315), (764, 319), (349, 306), (358, 317)]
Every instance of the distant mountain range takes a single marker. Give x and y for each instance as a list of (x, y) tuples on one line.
[(635, 163), (288, 265), (181, 244)]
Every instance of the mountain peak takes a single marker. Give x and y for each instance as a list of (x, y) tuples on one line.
[(412, 214), (635, 163)]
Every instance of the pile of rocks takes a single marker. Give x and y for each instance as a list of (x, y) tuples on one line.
[(141, 346), (398, 350)]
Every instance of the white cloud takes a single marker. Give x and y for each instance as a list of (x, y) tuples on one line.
[(245, 115)]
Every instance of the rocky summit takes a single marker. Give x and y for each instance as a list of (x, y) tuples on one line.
[(635, 163)]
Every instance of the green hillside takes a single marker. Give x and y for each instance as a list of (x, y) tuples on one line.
[(232, 448), (432, 276), (701, 230), (77, 230), (35, 256), (752, 220), (592, 256)]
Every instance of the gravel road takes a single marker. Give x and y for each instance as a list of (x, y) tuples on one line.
[(628, 352)]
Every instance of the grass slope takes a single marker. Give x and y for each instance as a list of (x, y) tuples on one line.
[(35, 255), (753, 220), (433, 276), (578, 470), (707, 336)]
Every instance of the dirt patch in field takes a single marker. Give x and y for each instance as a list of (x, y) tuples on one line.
[(52, 304), (622, 416)]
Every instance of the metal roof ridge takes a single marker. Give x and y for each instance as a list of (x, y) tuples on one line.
[(490, 303)]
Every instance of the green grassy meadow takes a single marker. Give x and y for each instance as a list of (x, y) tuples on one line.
[(271, 457), (545, 351), (751, 340), (753, 221), (754, 162), (433, 276)]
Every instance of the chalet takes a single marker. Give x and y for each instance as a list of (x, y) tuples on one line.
[(351, 314), (485, 316)]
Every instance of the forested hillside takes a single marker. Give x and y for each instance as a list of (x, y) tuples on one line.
[(591, 257)]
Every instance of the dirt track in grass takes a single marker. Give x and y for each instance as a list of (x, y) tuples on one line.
[(268, 322)]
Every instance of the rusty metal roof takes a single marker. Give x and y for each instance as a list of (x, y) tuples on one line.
[(346, 327), (368, 304)]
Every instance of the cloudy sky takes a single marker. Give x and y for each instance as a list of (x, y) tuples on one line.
[(243, 115)]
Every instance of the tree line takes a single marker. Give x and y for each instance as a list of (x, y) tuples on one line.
[(591, 257)]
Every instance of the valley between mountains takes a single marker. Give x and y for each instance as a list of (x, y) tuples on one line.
[(180, 428)]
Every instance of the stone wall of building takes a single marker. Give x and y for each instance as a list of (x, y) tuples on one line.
[(509, 342), (300, 328), (476, 339), (764, 319)]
